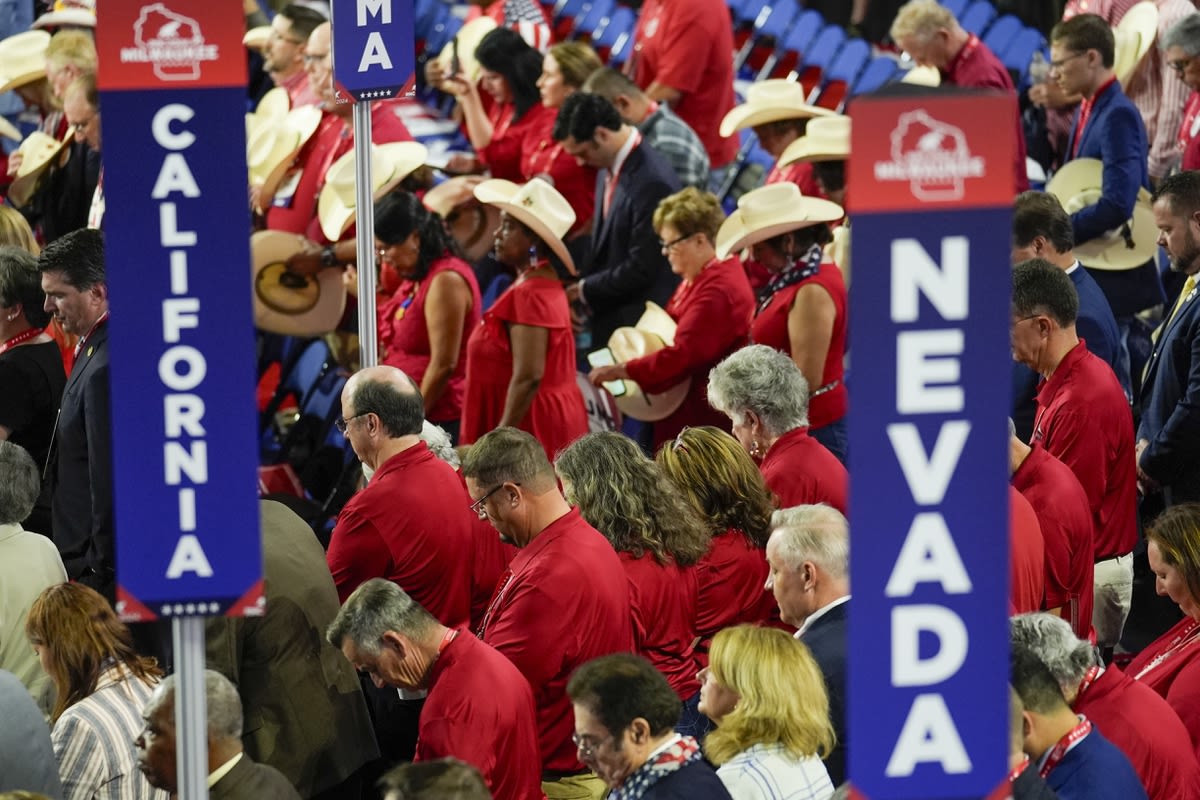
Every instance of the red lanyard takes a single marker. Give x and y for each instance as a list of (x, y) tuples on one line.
[(494, 606), (966, 52), (1017, 770), (1074, 737), (450, 636), (20, 338), (1186, 637), (1085, 113), (610, 185), (1089, 678), (91, 330)]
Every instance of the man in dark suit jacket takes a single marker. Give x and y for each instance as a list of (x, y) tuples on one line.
[(625, 265), (304, 710), (232, 774), (1168, 438), (73, 279), (809, 554)]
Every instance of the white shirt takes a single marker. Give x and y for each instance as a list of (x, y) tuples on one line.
[(820, 612), (223, 770), (769, 772)]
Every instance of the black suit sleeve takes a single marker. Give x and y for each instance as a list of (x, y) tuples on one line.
[(643, 261), (1174, 450), (98, 423)]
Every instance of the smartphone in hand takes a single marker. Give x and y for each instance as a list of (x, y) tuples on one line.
[(604, 358)]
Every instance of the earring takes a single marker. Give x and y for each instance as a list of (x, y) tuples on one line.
[(755, 449), (533, 259)]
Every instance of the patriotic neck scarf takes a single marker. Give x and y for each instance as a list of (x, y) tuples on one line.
[(673, 758)]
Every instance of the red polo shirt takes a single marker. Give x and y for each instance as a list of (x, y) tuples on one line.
[(1147, 730), (413, 526), (976, 67), (563, 602), (801, 471), (1027, 559), (731, 577), (480, 710), (662, 599), (688, 45), (1084, 421), (1066, 523)]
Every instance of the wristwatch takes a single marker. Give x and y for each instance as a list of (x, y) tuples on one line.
[(329, 257)]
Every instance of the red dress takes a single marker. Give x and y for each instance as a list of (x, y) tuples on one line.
[(1170, 665), (731, 575), (712, 314), (511, 138), (771, 328), (662, 600), (557, 415), (404, 336)]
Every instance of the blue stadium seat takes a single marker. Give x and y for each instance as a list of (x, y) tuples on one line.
[(978, 17), (879, 72), (620, 23), (300, 383), (445, 30), (769, 29), (594, 18), (1002, 32), (841, 74), (1020, 50), (807, 24), (957, 7), (819, 56)]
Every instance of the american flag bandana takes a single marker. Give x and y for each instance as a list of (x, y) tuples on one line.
[(681, 753)]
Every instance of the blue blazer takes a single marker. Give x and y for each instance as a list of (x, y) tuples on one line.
[(1171, 406), (1095, 769), (625, 266), (826, 640), (1116, 135)]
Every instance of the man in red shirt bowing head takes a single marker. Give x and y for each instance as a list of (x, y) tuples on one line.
[(479, 707), (563, 601), (930, 34)]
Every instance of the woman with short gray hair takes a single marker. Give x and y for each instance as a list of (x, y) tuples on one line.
[(764, 394), (1180, 47)]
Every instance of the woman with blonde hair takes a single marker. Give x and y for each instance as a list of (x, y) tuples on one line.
[(102, 686), (659, 538), (765, 693), (721, 481), (711, 308)]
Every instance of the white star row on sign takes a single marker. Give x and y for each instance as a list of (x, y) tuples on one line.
[(190, 608), (379, 93)]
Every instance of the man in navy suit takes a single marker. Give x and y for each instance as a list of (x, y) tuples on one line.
[(1108, 127), (625, 265), (809, 556), (73, 279), (1168, 438)]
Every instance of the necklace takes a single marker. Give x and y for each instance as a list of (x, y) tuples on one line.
[(20, 338), (1178, 644)]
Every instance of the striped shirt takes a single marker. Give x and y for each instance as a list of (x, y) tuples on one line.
[(676, 142), (768, 772), (1160, 93), (93, 742)]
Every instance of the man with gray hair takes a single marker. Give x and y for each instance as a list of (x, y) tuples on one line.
[(29, 563), (479, 706), (1128, 713), (231, 773), (809, 556), (444, 779), (1180, 47)]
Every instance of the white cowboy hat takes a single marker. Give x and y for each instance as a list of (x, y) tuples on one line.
[(274, 103), (769, 211), (537, 205), (824, 139), (1134, 37), (471, 223), (653, 331), (466, 40), (1078, 185), (23, 59), (38, 152), (275, 143), (287, 303), (80, 13), (451, 193), (256, 38), (770, 101), (923, 76), (390, 164)]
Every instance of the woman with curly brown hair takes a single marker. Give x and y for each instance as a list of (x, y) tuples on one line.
[(716, 475), (102, 686), (659, 538)]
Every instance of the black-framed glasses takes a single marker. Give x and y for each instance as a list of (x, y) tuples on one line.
[(586, 745), (81, 127), (669, 246), (477, 506), (1180, 65), (341, 423), (313, 58), (1058, 65)]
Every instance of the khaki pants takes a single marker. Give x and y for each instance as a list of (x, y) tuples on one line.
[(1113, 591), (585, 786)]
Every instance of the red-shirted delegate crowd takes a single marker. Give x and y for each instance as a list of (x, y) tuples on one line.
[(581, 531)]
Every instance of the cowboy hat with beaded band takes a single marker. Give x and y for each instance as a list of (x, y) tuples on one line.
[(538, 206), (1133, 37), (275, 144), (1079, 184), (825, 139), (288, 303), (653, 331), (769, 211), (23, 59), (770, 101), (38, 152), (390, 164)]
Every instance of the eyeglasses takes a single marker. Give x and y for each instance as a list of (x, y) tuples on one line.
[(1180, 65), (667, 247), (313, 58), (341, 423), (477, 506), (1057, 65), (80, 127), (277, 35), (586, 745)]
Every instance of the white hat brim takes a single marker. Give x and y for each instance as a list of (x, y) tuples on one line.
[(735, 235), (499, 193), (269, 248)]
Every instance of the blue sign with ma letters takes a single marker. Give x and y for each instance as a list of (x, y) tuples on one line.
[(373, 46)]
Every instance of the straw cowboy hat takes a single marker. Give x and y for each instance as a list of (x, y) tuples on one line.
[(537, 205), (923, 76), (654, 331), (1078, 185), (80, 13), (451, 193), (471, 223), (824, 139), (38, 152), (22, 59), (465, 41), (770, 101), (275, 143), (390, 164), (272, 105), (256, 38), (1134, 37), (769, 211), (287, 303)]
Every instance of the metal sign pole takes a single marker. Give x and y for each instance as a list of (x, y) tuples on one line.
[(191, 714), (364, 206)]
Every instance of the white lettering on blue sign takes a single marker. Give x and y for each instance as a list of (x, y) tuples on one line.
[(181, 368), (375, 54), (929, 374), (374, 8)]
